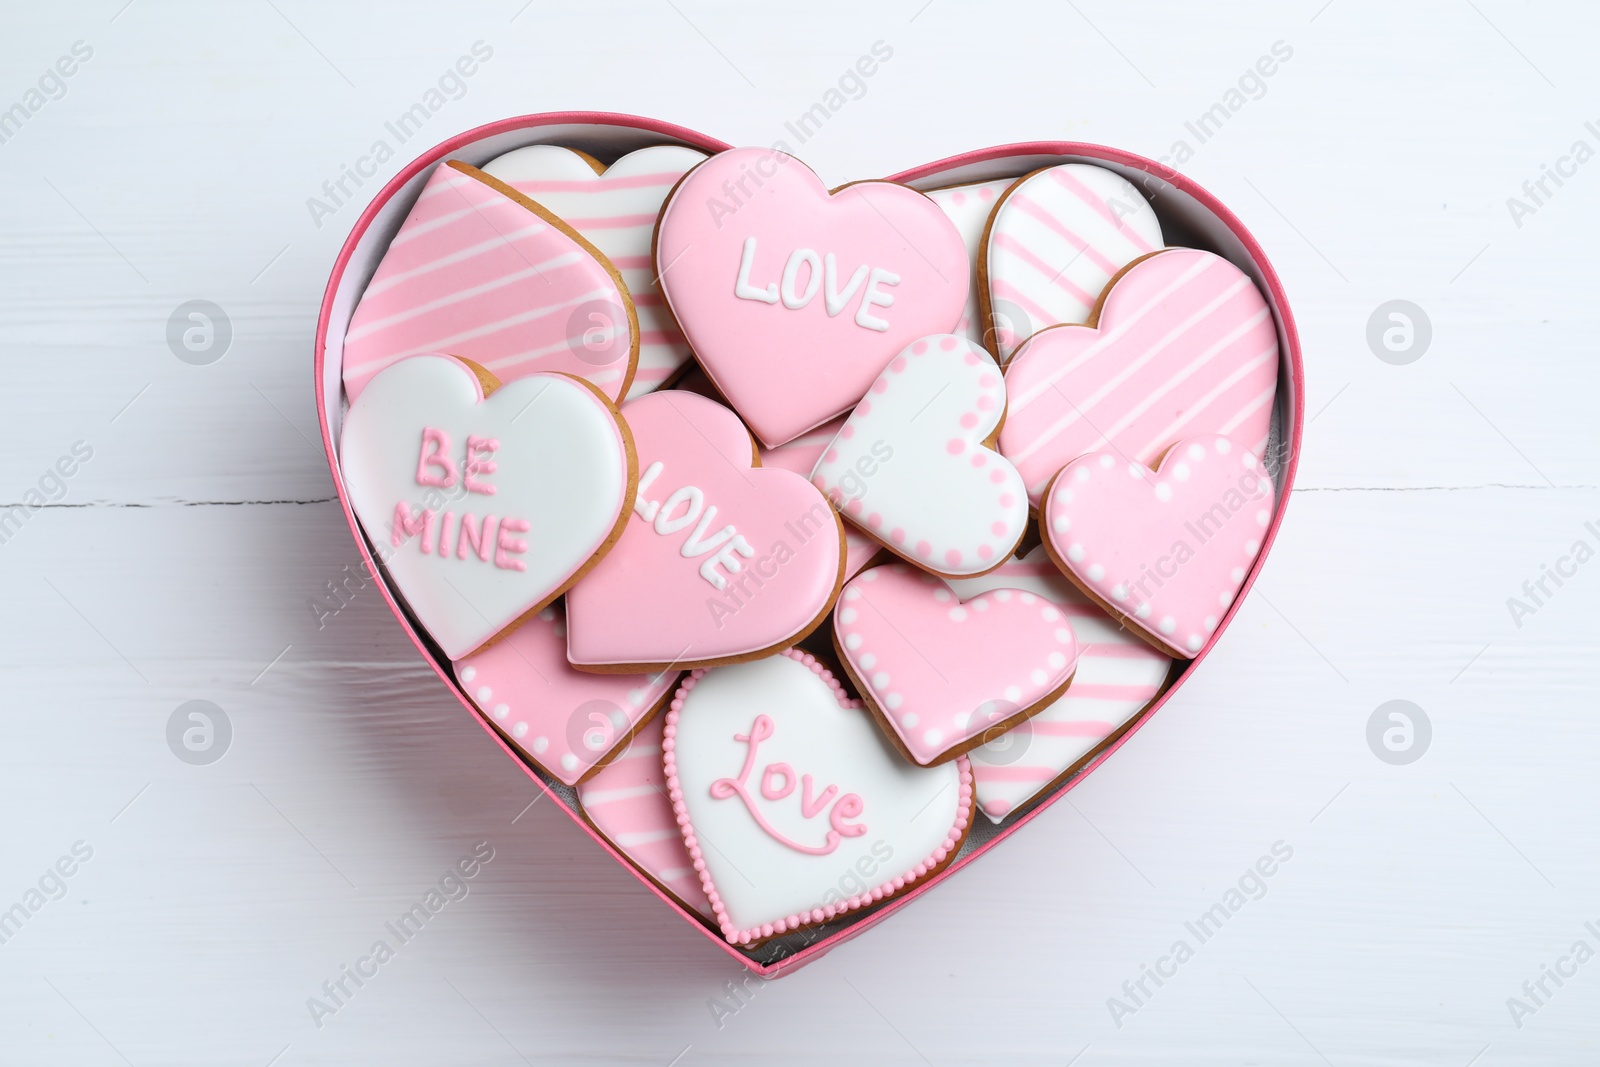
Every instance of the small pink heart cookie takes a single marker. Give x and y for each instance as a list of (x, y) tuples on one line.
[(626, 800), (721, 560), (794, 807), (800, 456), (564, 720), (943, 675), (480, 271), (912, 467), (1182, 344), (794, 297), (1166, 550), (479, 514)]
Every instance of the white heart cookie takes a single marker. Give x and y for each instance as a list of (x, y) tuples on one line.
[(912, 464), (969, 207), (615, 209), (794, 807), (483, 508), (1055, 240)]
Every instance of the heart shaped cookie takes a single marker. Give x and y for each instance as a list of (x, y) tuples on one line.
[(969, 207), (566, 721), (911, 465), (1182, 344), (942, 674), (720, 561), (1056, 238), (795, 297), (482, 272), (627, 801), (1164, 550), (483, 508), (615, 208), (1118, 676), (794, 807)]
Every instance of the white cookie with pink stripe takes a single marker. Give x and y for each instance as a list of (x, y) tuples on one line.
[(941, 673), (566, 721), (969, 207), (912, 466), (1118, 676), (1058, 236), (480, 272), (615, 208), (627, 802), (1166, 550)]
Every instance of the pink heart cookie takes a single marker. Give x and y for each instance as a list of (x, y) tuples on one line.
[(942, 674), (566, 721), (800, 456), (1183, 344), (1118, 676), (720, 561), (911, 465), (1166, 550), (627, 801), (794, 807), (794, 297), (1056, 238), (614, 207), (480, 271), (478, 514)]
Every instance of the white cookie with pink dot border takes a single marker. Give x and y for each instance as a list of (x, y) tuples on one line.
[(912, 464)]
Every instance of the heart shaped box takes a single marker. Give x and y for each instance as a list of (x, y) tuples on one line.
[(1189, 215)]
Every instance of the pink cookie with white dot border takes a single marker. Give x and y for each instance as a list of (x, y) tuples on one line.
[(944, 675), (564, 720), (1165, 550), (794, 807), (912, 466)]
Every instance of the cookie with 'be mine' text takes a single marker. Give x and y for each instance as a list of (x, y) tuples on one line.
[(483, 501)]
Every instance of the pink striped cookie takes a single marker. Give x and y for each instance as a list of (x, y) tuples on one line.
[(912, 465), (566, 721), (1165, 550), (940, 673), (1183, 344), (800, 456), (627, 802), (1057, 237), (614, 207), (481, 272), (1118, 676), (969, 207)]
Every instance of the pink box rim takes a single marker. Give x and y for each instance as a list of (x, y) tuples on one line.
[(1293, 419)]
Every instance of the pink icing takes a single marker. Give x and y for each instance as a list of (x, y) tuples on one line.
[(1184, 345), (794, 298), (564, 720), (477, 274), (800, 456), (941, 671), (847, 806), (718, 560), (732, 931), (1167, 550), (627, 801)]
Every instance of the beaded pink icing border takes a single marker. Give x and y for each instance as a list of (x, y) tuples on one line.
[(733, 934)]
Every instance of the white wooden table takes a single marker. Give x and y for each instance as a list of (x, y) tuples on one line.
[(176, 564)]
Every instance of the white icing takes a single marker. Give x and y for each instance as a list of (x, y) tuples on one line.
[(559, 483), (908, 811), (969, 207)]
